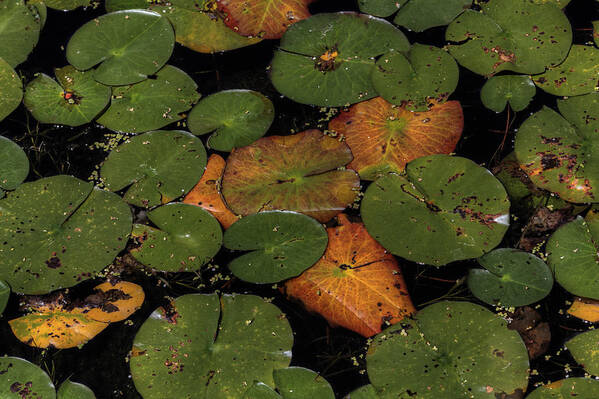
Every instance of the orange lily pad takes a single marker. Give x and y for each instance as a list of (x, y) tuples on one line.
[(296, 173), (267, 19), (384, 137), (206, 193), (585, 309), (356, 284), (114, 302)]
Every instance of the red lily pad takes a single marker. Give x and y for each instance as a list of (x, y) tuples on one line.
[(384, 137), (297, 173)]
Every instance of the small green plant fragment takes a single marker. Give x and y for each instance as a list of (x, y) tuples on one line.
[(21, 378), (75, 100), (575, 76), (510, 35), (12, 89), (281, 244), (583, 348), (498, 91), (155, 167), (450, 350), (380, 8), (209, 348), (424, 76), (260, 390), (327, 59), (74, 390), (510, 278), (185, 239), (567, 388), (302, 383), (420, 15), (560, 153), (364, 392), (67, 5), (20, 27), (237, 118), (128, 45), (572, 255), (449, 209), (14, 165), (4, 295), (151, 104), (76, 233)]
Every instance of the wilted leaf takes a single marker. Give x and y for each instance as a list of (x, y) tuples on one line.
[(383, 137), (206, 193), (14, 165), (585, 309), (281, 245), (267, 19), (518, 90), (19, 30), (12, 89), (419, 15), (20, 379), (74, 390), (357, 284), (297, 173), (535, 332), (113, 302), (567, 389)]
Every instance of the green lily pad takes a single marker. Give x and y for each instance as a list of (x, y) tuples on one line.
[(186, 238), (74, 390), (510, 278), (510, 35), (420, 15), (301, 383), (151, 104), (364, 392), (449, 209), (118, 5), (260, 390), (207, 348), (128, 45), (583, 348), (561, 154), (380, 8), (327, 59), (596, 33), (498, 91), (419, 78), (20, 27), (237, 118), (567, 389), (77, 232), (450, 350), (4, 295), (572, 255), (559, 3), (75, 100), (21, 378), (67, 5), (157, 167), (297, 173), (282, 245), (14, 165), (12, 89), (575, 76)]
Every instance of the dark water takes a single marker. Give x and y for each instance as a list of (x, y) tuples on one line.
[(101, 364)]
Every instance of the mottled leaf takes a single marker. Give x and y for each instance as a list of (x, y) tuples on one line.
[(20, 378), (114, 302)]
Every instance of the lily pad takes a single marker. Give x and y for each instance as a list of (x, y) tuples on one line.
[(74, 390), (297, 173), (596, 32), (237, 118), (420, 78), (77, 232), (566, 389), (267, 19), (380, 8), (364, 392), (21, 378), (4, 295), (20, 27), (260, 390), (510, 35), (151, 104), (583, 348), (572, 255), (210, 348), (186, 238), (128, 45), (449, 209), (302, 383), (561, 154), (450, 350), (157, 167), (575, 76), (498, 91), (118, 301), (118, 5), (12, 89), (75, 100), (327, 59), (281, 245), (67, 5), (420, 15), (510, 278), (14, 165), (585, 309)]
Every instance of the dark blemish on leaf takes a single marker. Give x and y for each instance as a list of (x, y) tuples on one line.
[(549, 161), (53, 262)]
